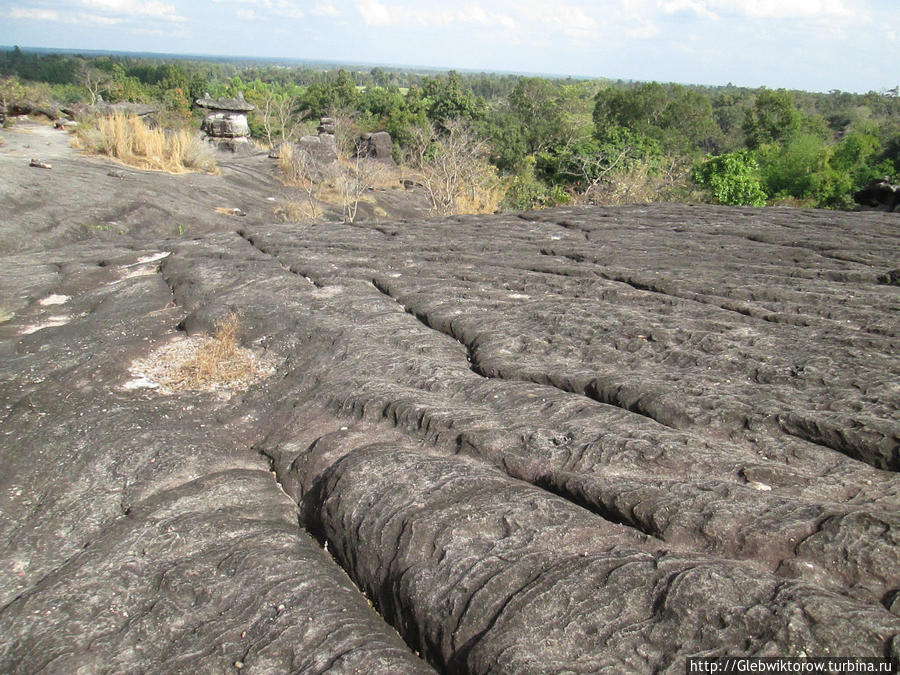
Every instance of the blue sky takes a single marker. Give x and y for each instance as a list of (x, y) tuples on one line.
[(816, 45)]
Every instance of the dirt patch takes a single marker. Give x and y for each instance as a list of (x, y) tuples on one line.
[(214, 363)]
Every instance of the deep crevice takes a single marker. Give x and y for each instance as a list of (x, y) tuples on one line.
[(309, 521), (605, 395)]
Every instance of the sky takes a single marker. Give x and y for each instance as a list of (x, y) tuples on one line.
[(816, 45)]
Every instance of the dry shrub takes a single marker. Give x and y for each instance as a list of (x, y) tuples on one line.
[(485, 198), (288, 163), (128, 139), (640, 185), (218, 360), (204, 364), (452, 165), (292, 211)]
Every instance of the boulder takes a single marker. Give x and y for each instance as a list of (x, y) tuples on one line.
[(226, 119), (319, 155), (877, 194), (229, 125), (378, 146), (326, 126)]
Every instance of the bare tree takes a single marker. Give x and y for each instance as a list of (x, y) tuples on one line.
[(303, 171), (94, 80), (282, 118), (361, 174), (590, 171), (454, 169)]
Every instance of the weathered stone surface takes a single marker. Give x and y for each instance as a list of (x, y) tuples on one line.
[(237, 104), (321, 152), (576, 440), (226, 125), (878, 194), (227, 118), (326, 126), (378, 146)]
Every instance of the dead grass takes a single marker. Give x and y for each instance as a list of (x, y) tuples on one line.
[(292, 211), (128, 139), (213, 363)]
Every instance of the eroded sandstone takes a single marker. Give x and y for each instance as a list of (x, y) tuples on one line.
[(576, 440)]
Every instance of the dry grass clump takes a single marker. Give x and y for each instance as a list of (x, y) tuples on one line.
[(293, 171), (292, 211), (203, 364), (128, 139)]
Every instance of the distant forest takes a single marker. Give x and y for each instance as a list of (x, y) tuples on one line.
[(544, 141)]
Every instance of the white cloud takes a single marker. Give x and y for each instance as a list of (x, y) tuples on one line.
[(289, 10), (258, 10), (374, 13), (698, 7), (643, 29), (96, 19), (525, 19), (134, 8), (766, 9), (325, 8), (35, 14)]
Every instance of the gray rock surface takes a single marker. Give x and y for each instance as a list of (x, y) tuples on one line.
[(574, 440), (226, 125), (226, 119), (321, 161), (878, 194), (377, 145)]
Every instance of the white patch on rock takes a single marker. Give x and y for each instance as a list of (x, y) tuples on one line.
[(756, 485), (52, 322), (55, 299), (518, 296), (161, 369), (150, 258), (141, 382)]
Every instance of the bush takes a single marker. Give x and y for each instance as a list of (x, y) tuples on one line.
[(128, 139), (732, 178), (527, 192)]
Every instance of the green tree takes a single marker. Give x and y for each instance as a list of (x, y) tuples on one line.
[(679, 118), (447, 99), (732, 178), (772, 119), (797, 169)]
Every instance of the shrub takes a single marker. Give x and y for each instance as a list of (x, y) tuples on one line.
[(732, 179), (212, 363), (128, 139), (525, 191), (292, 211)]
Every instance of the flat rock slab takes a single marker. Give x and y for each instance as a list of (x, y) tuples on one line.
[(574, 440)]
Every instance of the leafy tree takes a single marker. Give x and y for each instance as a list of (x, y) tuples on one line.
[(680, 119), (732, 178), (535, 107), (448, 99), (525, 191), (772, 119), (796, 169)]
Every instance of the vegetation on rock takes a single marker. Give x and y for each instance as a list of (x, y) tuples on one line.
[(128, 139), (535, 142)]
